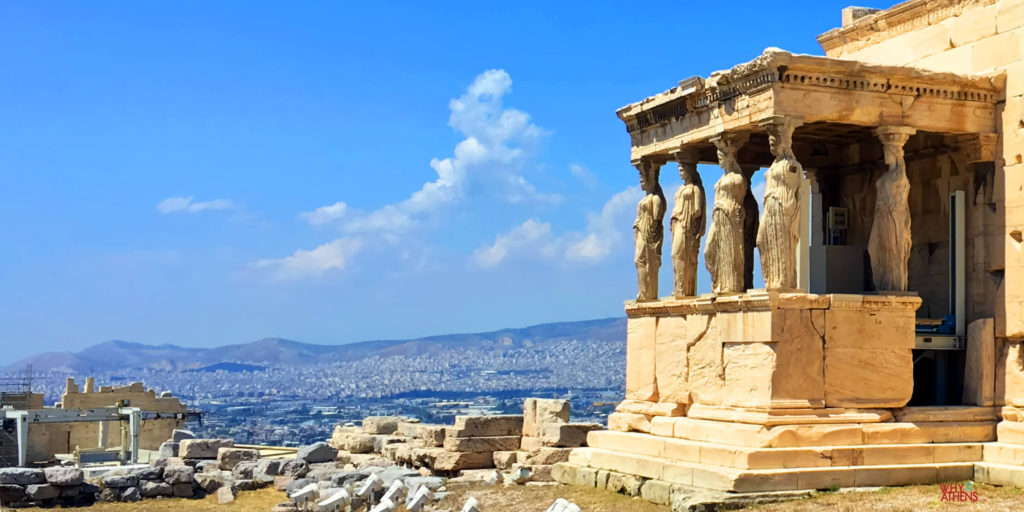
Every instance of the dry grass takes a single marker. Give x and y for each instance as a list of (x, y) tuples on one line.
[(260, 500), (887, 499), (529, 498), (534, 498), (900, 499)]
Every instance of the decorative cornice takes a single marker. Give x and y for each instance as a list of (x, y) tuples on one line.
[(778, 68), (877, 27)]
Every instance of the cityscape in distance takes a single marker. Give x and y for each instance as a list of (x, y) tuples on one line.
[(282, 392)]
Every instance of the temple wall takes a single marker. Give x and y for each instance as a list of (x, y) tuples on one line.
[(970, 37)]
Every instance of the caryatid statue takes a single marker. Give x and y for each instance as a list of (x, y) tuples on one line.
[(889, 242), (778, 237), (724, 252), (687, 224), (648, 231)]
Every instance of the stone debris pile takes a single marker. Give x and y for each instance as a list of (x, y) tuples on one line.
[(528, 444)]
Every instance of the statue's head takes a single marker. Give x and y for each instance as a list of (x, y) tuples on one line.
[(893, 153), (687, 171), (648, 176)]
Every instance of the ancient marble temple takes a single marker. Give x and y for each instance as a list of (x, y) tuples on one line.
[(885, 347)]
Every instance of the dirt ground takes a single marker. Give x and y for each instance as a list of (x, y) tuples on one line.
[(539, 498)]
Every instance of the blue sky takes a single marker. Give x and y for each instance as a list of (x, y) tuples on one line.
[(203, 173)]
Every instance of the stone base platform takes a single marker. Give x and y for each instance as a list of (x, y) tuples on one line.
[(905, 446)]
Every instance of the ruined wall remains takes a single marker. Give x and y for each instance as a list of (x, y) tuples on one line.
[(48, 439)]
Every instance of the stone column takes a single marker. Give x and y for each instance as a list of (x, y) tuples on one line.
[(687, 223), (750, 227), (889, 242), (723, 255), (778, 236), (648, 232)]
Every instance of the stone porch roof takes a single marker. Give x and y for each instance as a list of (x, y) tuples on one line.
[(835, 98)]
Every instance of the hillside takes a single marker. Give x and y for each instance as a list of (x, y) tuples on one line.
[(270, 351)]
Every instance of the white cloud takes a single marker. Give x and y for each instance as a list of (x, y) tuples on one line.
[(605, 233), (325, 214), (313, 263), (529, 237), (187, 204), (607, 229), (583, 174), (498, 145), (498, 142)]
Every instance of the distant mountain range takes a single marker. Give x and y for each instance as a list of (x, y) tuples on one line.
[(124, 355)]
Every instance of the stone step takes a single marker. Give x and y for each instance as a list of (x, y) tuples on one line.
[(995, 473), (795, 436), (1004, 453), (788, 479), (740, 457)]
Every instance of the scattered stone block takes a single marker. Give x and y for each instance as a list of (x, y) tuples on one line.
[(176, 475), (169, 449), (209, 482), (980, 363), (380, 424), (505, 459), (295, 468), (657, 492), (131, 495), (22, 476), (179, 435), (408, 429), (63, 476), (539, 412), (228, 458), (547, 456), (183, 490), (150, 473), (40, 492), (360, 443), (244, 470), (226, 494), (568, 435), (245, 485), (482, 444), (487, 426), (120, 481), (433, 435), (316, 452), (267, 469), (202, 448), (458, 461), (11, 493), (281, 482)]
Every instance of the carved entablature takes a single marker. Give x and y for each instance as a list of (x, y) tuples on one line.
[(978, 147), (905, 17), (816, 89)]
